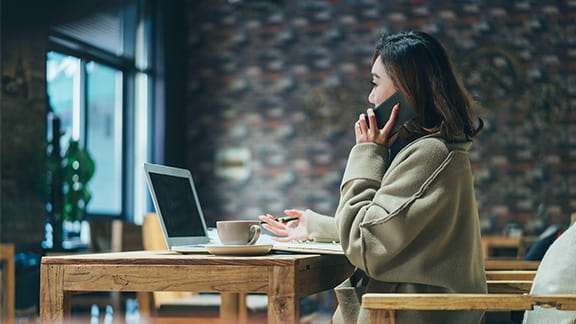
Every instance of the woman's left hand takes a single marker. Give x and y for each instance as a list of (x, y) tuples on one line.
[(291, 231), (370, 133)]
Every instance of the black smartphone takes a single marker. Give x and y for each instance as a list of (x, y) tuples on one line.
[(384, 110)]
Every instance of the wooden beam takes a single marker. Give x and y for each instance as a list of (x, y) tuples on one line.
[(495, 264), (467, 301), (510, 274), (9, 280)]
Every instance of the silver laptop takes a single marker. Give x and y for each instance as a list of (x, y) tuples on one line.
[(178, 208)]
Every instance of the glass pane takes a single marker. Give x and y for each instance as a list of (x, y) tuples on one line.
[(62, 74), (141, 141), (104, 137)]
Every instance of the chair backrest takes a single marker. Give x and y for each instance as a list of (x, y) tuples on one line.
[(8, 286), (152, 236), (493, 264), (556, 275), (153, 240), (115, 236)]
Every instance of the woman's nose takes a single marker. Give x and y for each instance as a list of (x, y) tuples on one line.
[(370, 97)]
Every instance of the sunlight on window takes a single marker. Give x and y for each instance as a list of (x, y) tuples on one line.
[(104, 136), (141, 145), (62, 74)]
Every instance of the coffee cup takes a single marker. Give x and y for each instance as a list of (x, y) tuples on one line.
[(238, 232)]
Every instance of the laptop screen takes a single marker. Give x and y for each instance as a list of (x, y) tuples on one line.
[(177, 205)]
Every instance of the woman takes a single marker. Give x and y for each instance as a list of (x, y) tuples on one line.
[(407, 216)]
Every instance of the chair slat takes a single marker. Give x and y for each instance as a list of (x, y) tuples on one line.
[(510, 274), (373, 301), (495, 264), (509, 287)]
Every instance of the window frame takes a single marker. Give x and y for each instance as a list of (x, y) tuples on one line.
[(127, 64)]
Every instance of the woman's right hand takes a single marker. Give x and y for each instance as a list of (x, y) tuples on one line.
[(370, 133), (294, 230)]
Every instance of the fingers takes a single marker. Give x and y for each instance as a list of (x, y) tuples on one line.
[(362, 123), (293, 212), (275, 230), (392, 120), (361, 129), (273, 226), (267, 218), (372, 119), (282, 239), (290, 231), (271, 221)]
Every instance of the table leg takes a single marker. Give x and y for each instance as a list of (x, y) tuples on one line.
[(229, 307), (382, 316), (146, 305), (54, 301), (242, 309), (283, 306), (9, 280)]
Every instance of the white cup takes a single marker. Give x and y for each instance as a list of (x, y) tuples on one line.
[(238, 232)]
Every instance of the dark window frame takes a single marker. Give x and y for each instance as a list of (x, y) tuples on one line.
[(127, 65)]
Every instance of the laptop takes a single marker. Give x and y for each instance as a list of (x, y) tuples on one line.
[(178, 208), (182, 221)]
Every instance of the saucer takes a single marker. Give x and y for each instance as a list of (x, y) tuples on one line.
[(239, 249)]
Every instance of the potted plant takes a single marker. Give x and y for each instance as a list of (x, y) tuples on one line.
[(67, 183)]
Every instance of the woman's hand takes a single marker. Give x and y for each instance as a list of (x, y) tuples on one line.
[(291, 231), (369, 133)]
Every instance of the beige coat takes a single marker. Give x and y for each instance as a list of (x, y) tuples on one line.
[(409, 227)]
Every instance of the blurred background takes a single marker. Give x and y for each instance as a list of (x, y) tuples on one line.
[(258, 98)]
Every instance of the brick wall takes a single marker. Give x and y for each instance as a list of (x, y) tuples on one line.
[(285, 80), (22, 135)]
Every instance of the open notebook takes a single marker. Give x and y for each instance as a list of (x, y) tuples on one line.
[(309, 247), (303, 247)]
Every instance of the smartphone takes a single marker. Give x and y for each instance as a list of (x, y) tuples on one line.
[(384, 110)]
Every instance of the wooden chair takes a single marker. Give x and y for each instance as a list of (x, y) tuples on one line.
[(509, 282), (153, 240), (510, 264), (382, 307), (8, 283), (553, 286), (149, 303), (492, 243), (113, 236), (501, 284), (504, 276), (510, 275)]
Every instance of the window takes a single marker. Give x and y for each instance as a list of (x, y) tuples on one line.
[(98, 82), (104, 136)]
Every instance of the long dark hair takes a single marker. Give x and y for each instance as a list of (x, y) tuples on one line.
[(419, 67)]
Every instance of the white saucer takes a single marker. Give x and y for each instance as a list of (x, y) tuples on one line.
[(239, 249)]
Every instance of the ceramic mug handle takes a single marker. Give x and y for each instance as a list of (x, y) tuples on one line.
[(255, 230)]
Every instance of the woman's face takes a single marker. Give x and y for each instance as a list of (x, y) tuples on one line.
[(382, 85)]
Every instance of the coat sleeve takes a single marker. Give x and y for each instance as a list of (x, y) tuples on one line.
[(321, 228), (376, 215)]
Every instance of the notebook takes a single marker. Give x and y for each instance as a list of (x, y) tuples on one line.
[(183, 224), (309, 247)]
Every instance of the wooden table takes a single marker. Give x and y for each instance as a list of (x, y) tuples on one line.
[(9, 280), (284, 277)]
